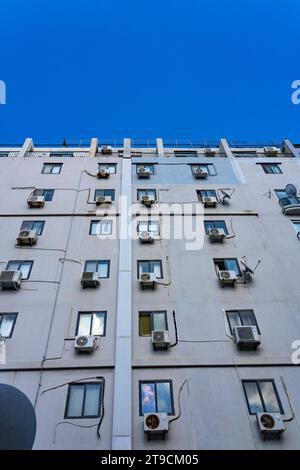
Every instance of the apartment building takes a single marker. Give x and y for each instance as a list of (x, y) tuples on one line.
[(99, 328)]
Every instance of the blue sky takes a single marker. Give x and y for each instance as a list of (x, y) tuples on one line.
[(193, 69)]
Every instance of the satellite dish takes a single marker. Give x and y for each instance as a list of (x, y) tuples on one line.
[(247, 269), (17, 419), (291, 190)]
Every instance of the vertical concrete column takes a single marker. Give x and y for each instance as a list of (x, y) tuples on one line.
[(93, 147), (122, 406), (287, 147), (160, 147), (26, 147), (224, 148)]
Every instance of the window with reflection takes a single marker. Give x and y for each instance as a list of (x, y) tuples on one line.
[(156, 397), (91, 323), (262, 396)]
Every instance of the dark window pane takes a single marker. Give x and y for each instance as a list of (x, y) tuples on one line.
[(253, 397)]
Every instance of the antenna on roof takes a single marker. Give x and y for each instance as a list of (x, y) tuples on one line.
[(64, 144)]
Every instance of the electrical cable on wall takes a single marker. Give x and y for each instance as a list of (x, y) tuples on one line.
[(179, 403)]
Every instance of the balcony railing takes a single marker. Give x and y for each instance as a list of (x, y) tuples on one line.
[(290, 205)]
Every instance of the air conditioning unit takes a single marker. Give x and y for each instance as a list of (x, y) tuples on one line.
[(200, 174), (270, 424), (27, 237), (106, 150), (146, 237), (36, 201), (210, 201), (216, 235), (227, 278), (156, 424), (85, 343), (143, 172), (246, 337), (103, 173), (270, 150), (90, 279), (10, 280), (147, 200), (103, 200), (160, 340), (147, 280), (209, 151)]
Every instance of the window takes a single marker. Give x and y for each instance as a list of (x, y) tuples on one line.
[(23, 266), (84, 400), (152, 321), (156, 397), (36, 225), (101, 227), (148, 226), (52, 168), (296, 225), (208, 168), (91, 323), (111, 168), (271, 168), (147, 166), (101, 267), (7, 324), (185, 153), (209, 224), (228, 264), (146, 192), (280, 193), (153, 266), (61, 154), (105, 192), (202, 193), (3, 154), (47, 193), (241, 318), (262, 396)]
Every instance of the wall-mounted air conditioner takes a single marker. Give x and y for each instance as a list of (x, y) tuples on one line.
[(146, 237), (246, 337), (160, 340), (143, 172), (210, 201), (270, 424), (147, 280), (103, 200), (216, 235), (27, 237), (85, 343), (200, 174), (103, 173), (156, 424), (270, 150), (10, 280), (227, 278), (147, 200), (106, 150), (36, 201), (209, 151), (90, 279)]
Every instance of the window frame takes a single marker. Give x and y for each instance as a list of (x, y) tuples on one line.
[(139, 196), (152, 313), (265, 166), (104, 190), (20, 263), (169, 381), (200, 196), (213, 222), (42, 222), (186, 154), (67, 416), (52, 165), (227, 312), (150, 261), (98, 261), (61, 155), (49, 190), (276, 393), (4, 154), (15, 315), (92, 313), (148, 222), (92, 222), (215, 260)]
